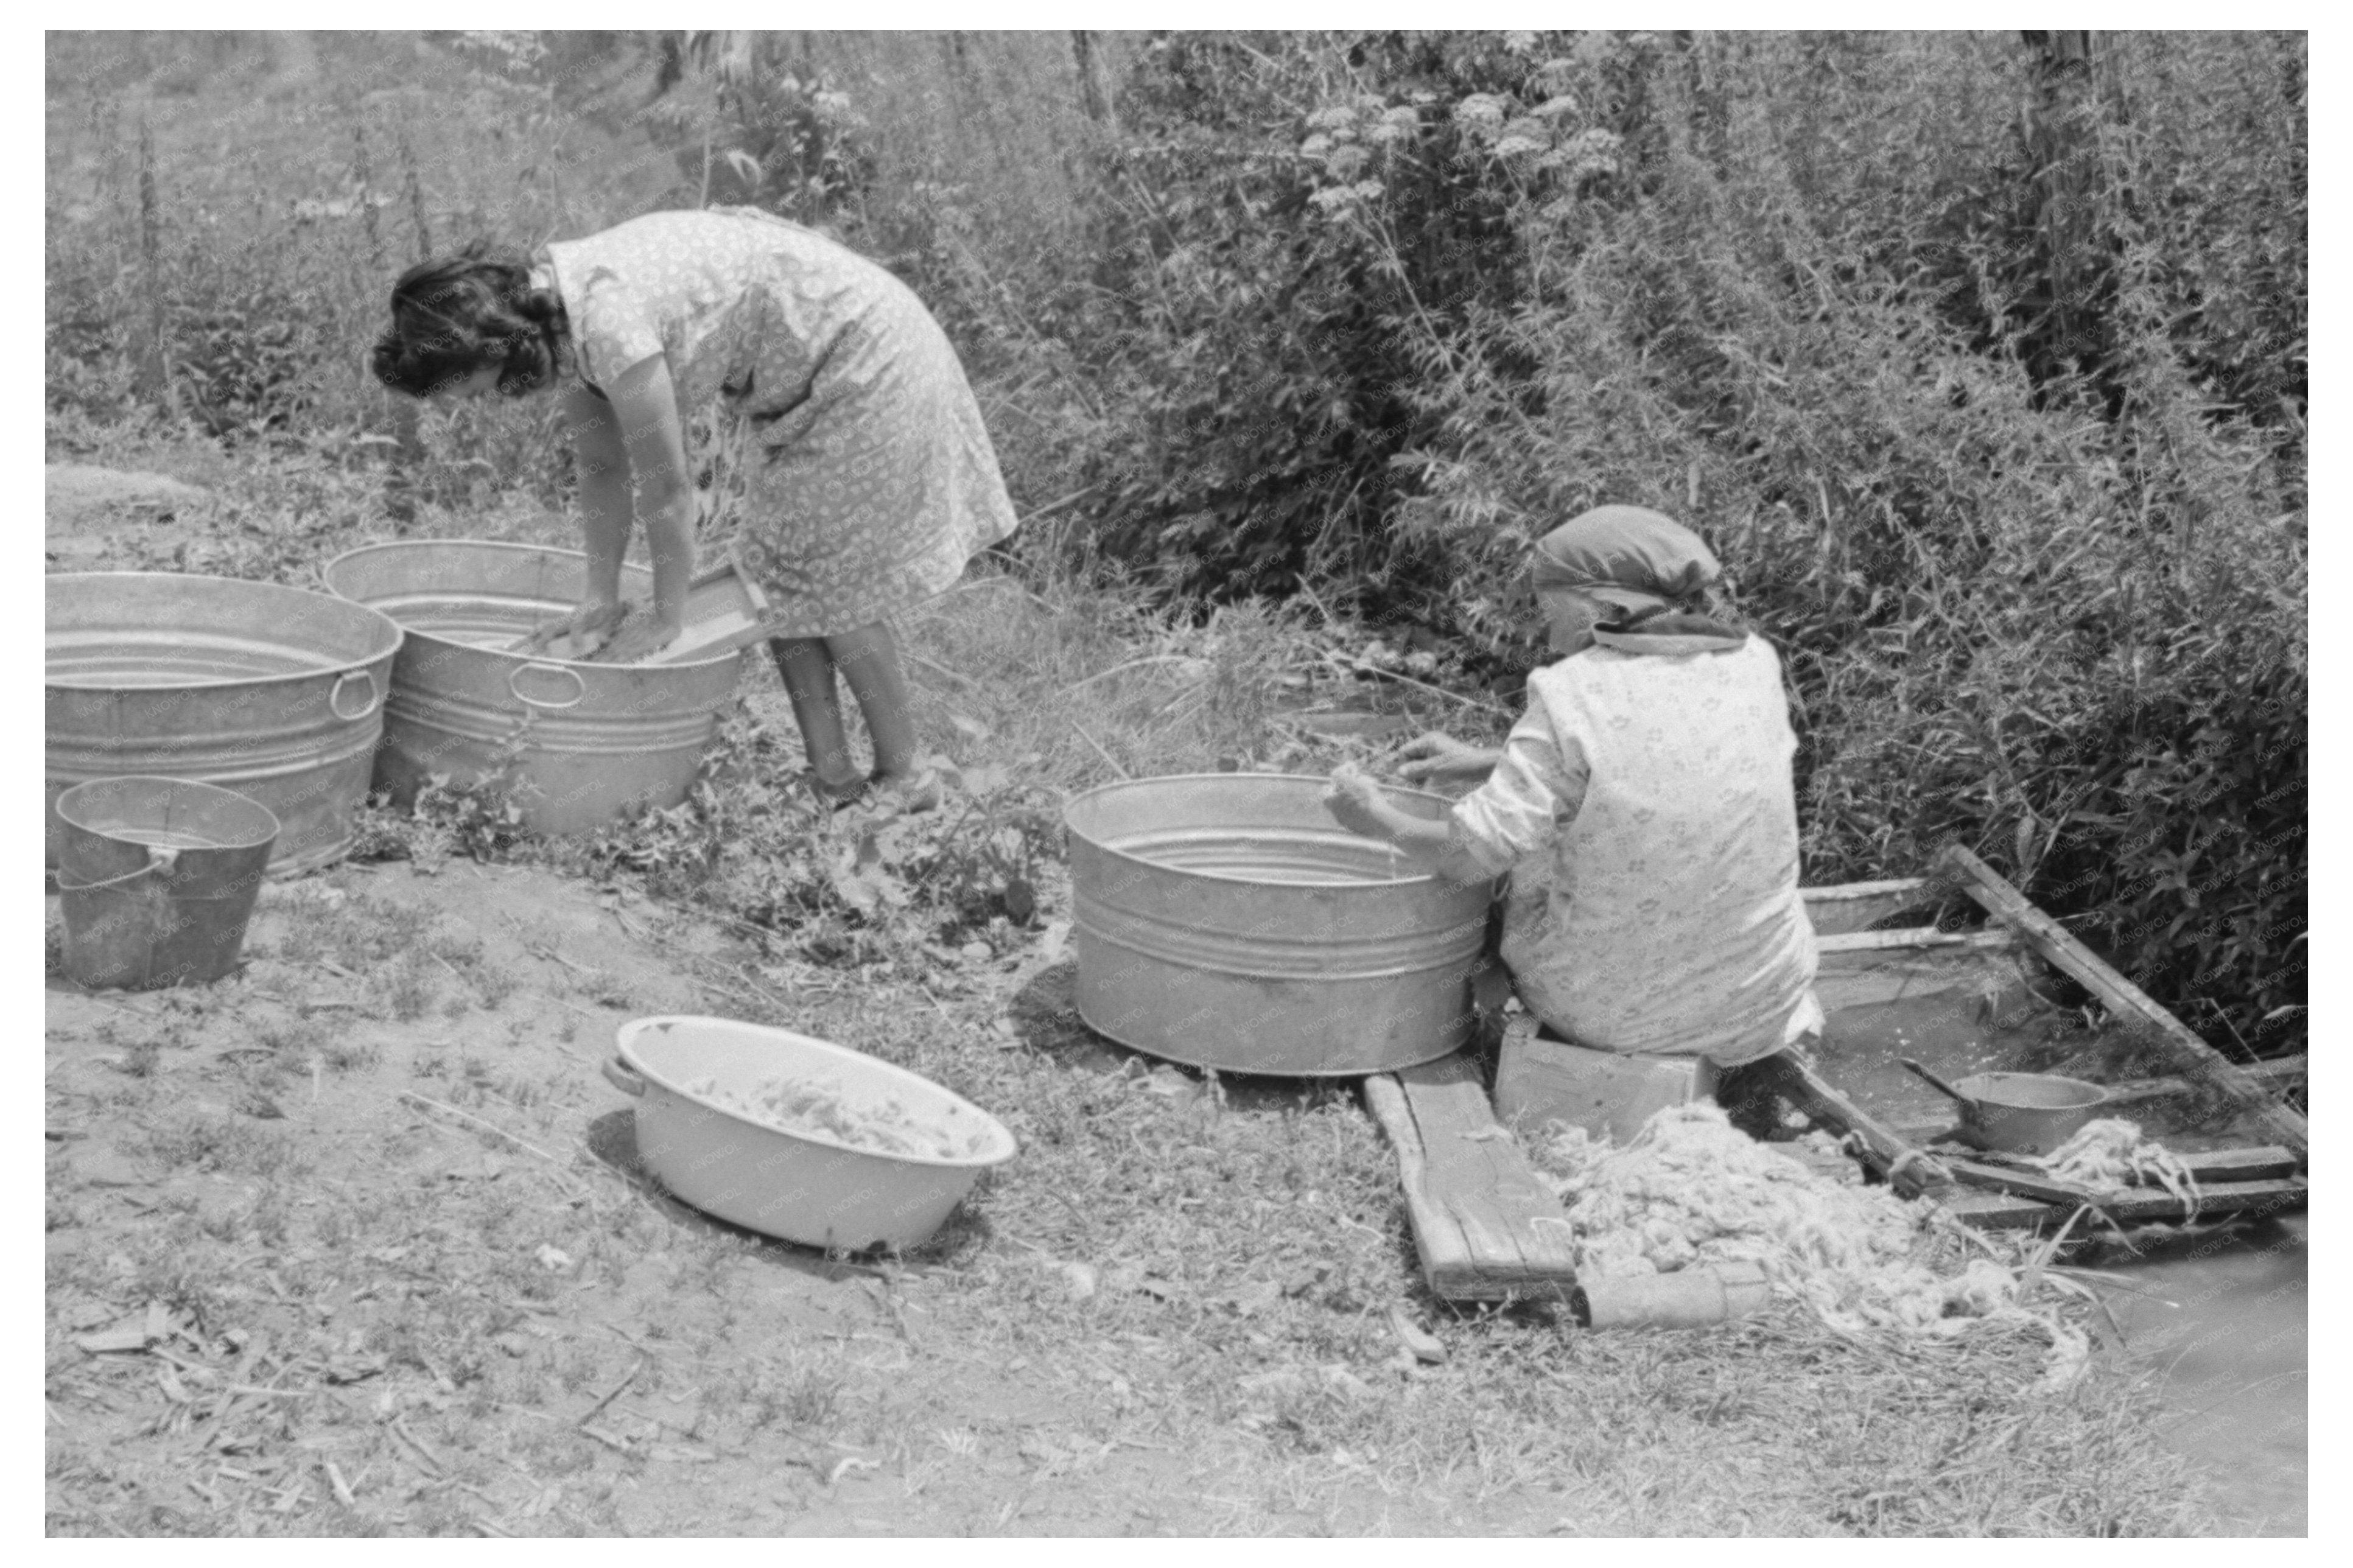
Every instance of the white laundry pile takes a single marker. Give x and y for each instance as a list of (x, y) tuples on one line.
[(1691, 1189)]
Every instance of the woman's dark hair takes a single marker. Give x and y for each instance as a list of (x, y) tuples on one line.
[(456, 315)]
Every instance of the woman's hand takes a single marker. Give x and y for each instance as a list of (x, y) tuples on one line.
[(641, 635), (1431, 757), (1355, 802), (590, 627)]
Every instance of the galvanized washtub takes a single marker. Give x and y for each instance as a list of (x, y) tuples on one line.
[(275, 693), (1225, 921), (588, 742)]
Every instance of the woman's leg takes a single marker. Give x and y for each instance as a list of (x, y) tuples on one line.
[(807, 670), (869, 660)]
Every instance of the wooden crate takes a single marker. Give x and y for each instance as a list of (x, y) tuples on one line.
[(1610, 1094)]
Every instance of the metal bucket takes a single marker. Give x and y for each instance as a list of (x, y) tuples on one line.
[(274, 692), (582, 743), (1225, 921), (157, 879)]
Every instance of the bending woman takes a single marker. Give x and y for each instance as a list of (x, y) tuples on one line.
[(870, 481), (1648, 788)]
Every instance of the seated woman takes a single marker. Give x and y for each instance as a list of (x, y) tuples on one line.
[(1648, 786)]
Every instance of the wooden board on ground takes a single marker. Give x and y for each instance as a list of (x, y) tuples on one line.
[(2008, 1211), (1865, 968), (2126, 1002), (1487, 1227), (1856, 906)]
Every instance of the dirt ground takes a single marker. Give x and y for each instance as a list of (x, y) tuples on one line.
[(356, 1242), (420, 1250)]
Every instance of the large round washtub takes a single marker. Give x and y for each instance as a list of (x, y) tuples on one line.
[(275, 693), (1225, 921), (582, 743)]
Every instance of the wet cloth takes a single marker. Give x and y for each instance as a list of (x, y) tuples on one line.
[(1646, 799), (870, 480)]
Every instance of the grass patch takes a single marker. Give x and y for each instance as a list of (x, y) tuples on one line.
[(220, 1140)]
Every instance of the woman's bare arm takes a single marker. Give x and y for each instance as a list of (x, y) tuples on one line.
[(601, 463), (644, 405)]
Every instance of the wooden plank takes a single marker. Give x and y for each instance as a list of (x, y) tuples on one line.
[(1487, 1227), (1518, 1233), (1908, 1168), (1851, 906), (2007, 1211), (2123, 998), (1918, 939), (2026, 1182), (2282, 1071), (2258, 1163), (1863, 968), (1437, 1236)]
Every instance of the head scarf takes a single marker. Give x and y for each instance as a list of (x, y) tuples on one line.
[(1629, 557)]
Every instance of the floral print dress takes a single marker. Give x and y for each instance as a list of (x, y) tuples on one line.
[(1646, 798), (872, 480)]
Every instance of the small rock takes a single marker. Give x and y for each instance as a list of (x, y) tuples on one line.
[(979, 952), (555, 1259)]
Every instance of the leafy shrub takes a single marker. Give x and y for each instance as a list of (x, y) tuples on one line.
[(1356, 316)]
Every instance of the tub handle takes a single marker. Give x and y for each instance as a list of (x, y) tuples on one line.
[(514, 684), (623, 1077), (335, 695), (160, 858)]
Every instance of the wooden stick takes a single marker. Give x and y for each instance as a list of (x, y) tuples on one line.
[(612, 1393), (2124, 999), (1148, 659), (1359, 666), (1908, 1169), (410, 1094), (938, 668), (1098, 745)]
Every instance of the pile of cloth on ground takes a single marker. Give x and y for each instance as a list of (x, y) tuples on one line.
[(1693, 1189)]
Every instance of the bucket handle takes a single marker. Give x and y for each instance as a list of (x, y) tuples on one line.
[(160, 858), (335, 697), (622, 1075), (514, 684)]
